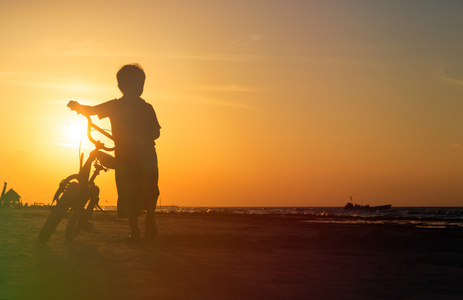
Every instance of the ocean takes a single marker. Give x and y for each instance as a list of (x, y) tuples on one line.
[(424, 217)]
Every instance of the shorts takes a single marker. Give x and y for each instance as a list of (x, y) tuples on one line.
[(137, 186)]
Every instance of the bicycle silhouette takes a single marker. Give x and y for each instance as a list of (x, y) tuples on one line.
[(77, 195)]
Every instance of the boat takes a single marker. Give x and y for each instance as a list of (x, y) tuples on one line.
[(351, 206)]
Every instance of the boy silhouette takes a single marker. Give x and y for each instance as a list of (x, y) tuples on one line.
[(134, 127)]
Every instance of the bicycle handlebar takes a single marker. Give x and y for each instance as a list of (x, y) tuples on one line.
[(72, 105), (98, 144)]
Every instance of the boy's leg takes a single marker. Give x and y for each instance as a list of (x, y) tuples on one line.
[(125, 183), (150, 223), (150, 194), (135, 232)]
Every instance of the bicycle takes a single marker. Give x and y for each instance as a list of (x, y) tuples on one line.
[(77, 194)]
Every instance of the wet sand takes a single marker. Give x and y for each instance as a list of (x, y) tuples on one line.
[(224, 256)]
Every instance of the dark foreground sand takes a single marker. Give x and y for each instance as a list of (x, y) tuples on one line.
[(204, 256)]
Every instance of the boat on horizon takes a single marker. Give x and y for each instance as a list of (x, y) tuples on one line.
[(351, 206)]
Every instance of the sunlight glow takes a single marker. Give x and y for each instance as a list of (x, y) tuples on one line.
[(74, 132)]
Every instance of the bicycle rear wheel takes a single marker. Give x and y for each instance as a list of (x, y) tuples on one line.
[(69, 189)]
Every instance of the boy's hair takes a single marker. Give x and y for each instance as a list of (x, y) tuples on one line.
[(131, 79)]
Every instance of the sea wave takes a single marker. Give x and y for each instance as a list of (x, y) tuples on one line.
[(432, 217)]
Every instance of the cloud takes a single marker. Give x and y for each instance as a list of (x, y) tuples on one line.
[(66, 47), (457, 146), (208, 101), (38, 80), (246, 41), (231, 104), (210, 56), (334, 61), (225, 88), (452, 74)]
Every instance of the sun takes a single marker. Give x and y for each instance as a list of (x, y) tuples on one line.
[(75, 132)]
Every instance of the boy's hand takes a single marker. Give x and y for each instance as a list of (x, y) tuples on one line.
[(74, 105)]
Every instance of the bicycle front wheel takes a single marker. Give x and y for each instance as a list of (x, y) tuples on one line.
[(76, 219), (69, 189), (81, 213)]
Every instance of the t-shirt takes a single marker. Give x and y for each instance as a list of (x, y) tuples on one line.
[(134, 127)]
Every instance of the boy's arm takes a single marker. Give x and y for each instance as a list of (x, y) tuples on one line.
[(156, 134), (154, 127), (82, 109)]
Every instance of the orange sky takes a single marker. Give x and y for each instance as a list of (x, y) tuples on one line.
[(261, 103)]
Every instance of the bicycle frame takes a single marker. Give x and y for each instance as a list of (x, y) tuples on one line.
[(76, 190)]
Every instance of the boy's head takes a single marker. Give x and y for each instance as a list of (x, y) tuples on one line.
[(131, 79)]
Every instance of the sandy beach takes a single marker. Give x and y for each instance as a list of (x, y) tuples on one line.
[(228, 256)]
